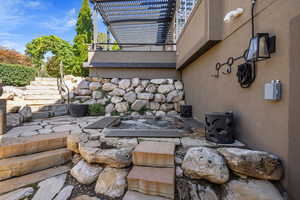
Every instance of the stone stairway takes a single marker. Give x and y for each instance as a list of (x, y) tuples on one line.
[(27, 160), (153, 172), (44, 99)]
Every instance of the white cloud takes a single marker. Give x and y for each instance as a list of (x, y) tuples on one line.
[(61, 24)]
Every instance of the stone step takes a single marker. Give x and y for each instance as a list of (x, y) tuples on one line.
[(45, 79), (131, 195), (54, 108), (152, 181), (154, 154), (43, 97), (21, 165), (43, 83), (48, 114), (41, 92), (18, 182), (42, 102), (10, 147), (30, 87)]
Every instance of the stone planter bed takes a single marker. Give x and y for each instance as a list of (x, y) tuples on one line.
[(204, 170)]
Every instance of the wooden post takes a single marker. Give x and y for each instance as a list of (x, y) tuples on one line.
[(2, 117)]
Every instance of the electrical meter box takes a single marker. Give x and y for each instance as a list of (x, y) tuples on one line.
[(273, 90)]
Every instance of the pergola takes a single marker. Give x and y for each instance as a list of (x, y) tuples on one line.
[(138, 21)]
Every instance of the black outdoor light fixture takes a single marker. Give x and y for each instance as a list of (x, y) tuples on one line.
[(261, 46)]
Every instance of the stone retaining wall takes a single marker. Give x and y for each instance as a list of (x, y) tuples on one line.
[(129, 96)]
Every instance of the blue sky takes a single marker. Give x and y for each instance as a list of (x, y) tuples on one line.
[(23, 20)]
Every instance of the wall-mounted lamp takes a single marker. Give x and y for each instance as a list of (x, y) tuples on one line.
[(260, 47)]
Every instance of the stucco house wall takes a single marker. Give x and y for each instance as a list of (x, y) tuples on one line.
[(261, 124)]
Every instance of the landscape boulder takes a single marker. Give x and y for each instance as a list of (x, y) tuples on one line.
[(205, 163), (86, 173), (256, 164), (112, 182)]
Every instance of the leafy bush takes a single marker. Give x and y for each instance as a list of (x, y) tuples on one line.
[(16, 75), (52, 67), (96, 109)]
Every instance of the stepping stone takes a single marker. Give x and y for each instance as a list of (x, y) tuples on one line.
[(10, 147), (104, 123), (152, 181), (131, 195), (15, 183), (50, 187), (18, 166), (157, 133), (18, 194), (154, 154), (65, 193)]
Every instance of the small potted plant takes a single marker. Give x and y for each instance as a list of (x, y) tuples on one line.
[(78, 110)]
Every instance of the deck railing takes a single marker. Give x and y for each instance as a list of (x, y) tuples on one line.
[(132, 47)]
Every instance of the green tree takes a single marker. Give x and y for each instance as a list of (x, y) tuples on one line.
[(84, 24), (52, 66)]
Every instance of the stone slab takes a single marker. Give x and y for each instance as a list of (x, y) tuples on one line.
[(154, 154), (176, 141), (18, 166), (158, 133), (152, 181), (20, 194), (50, 187), (131, 195), (192, 123), (15, 183), (188, 142), (103, 123), (10, 147)]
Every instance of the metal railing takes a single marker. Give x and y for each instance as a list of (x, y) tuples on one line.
[(132, 47)]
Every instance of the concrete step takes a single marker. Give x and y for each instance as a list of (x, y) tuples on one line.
[(21, 165), (19, 182), (45, 79), (43, 83), (41, 92), (154, 154), (10, 147), (44, 96), (152, 181), (30, 87)]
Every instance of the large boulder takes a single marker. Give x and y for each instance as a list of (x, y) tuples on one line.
[(109, 108), (86, 173), (160, 98), (250, 189), (205, 163), (139, 89), (175, 96), (116, 99), (122, 107), (178, 85), (165, 89), (145, 96), (158, 81), (117, 92), (108, 87), (117, 158), (130, 97), (95, 86), (192, 190), (83, 84), (151, 88), (97, 95), (135, 82), (73, 141), (112, 182), (13, 120), (257, 164), (139, 104), (83, 92), (124, 84)]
